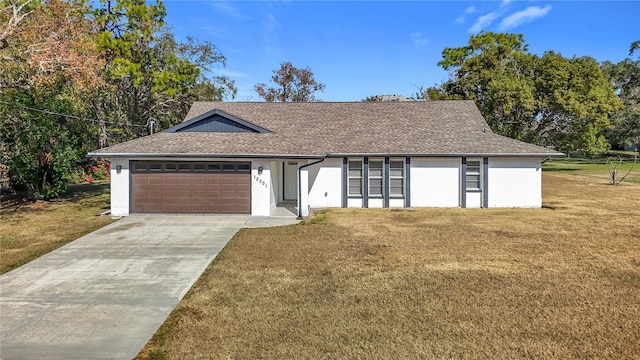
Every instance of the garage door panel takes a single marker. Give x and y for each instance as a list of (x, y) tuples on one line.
[(183, 208), (167, 194), (213, 208), (214, 179), (168, 180), (244, 208), (192, 189), (199, 208), (228, 194), (168, 208), (198, 180), (243, 180), (229, 208), (212, 194), (229, 180), (184, 180), (155, 180), (183, 194), (140, 194)]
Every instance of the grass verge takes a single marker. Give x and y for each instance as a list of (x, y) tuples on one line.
[(31, 229), (558, 282)]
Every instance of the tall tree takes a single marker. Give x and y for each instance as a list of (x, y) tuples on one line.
[(625, 78), (545, 100), (291, 84), (150, 76), (49, 56), (56, 39), (67, 63)]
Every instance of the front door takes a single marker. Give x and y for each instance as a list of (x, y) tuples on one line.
[(290, 177)]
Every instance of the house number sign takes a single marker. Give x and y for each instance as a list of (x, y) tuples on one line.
[(260, 181)]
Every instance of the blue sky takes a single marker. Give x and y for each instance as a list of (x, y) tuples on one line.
[(362, 48)]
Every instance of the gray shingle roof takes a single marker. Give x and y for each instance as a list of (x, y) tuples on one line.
[(321, 128)]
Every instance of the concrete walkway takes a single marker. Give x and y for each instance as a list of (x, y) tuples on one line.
[(104, 295)]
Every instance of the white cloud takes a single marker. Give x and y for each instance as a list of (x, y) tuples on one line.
[(418, 39), (505, 3), (524, 16), (483, 21), (228, 9), (271, 42), (461, 19)]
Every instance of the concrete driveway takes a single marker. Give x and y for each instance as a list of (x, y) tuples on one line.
[(105, 294)]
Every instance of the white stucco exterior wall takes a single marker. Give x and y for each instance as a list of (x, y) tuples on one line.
[(515, 182), (119, 187), (303, 196), (474, 199), (325, 184), (435, 182), (261, 188), (376, 203), (275, 185)]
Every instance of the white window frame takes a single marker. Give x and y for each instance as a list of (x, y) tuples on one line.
[(351, 177), (400, 177), (474, 173), (381, 178)]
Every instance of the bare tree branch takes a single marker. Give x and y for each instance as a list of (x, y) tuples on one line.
[(17, 15)]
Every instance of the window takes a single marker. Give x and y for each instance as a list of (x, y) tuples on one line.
[(184, 167), (473, 175), (355, 177), (228, 167), (244, 167), (375, 178), (199, 167), (155, 167), (396, 178), (139, 166)]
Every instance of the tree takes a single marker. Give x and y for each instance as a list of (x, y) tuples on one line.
[(625, 78), (150, 76), (544, 100), (387, 98), (44, 148), (11, 14), (55, 39), (47, 59), (291, 85), (76, 75)]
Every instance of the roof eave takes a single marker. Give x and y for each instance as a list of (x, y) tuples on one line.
[(544, 155), (317, 156), (201, 156)]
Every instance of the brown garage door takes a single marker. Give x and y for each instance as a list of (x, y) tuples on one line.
[(190, 187)]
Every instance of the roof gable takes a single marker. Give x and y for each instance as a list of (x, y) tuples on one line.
[(217, 120)]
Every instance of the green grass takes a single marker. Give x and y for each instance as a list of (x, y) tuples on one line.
[(31, 229), (596, 167)]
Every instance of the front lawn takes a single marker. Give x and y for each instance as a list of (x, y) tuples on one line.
[(30, 229), (557, 282)]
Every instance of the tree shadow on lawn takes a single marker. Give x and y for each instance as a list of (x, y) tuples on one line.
[(20, 201)]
